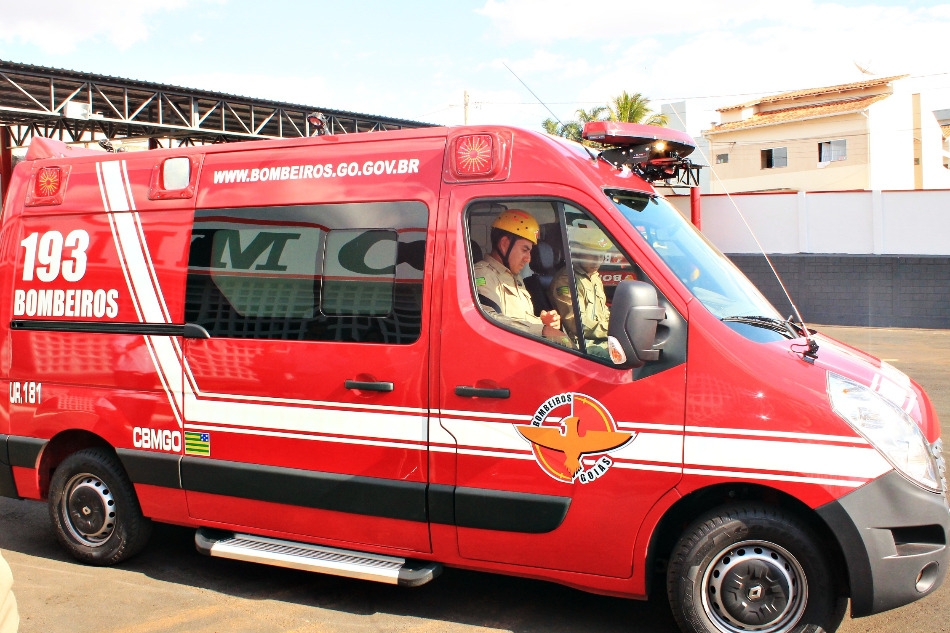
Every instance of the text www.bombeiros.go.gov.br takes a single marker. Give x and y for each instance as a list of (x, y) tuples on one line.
[(325, 170)]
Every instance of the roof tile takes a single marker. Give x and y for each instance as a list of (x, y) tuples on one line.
[(800, 113), (809, 92)]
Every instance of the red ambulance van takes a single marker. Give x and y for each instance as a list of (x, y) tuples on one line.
[(281, 344)]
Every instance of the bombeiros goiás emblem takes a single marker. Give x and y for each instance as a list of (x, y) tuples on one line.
[(566, 429)]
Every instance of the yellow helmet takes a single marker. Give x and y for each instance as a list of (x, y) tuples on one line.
[(590, 240), (518, 222)]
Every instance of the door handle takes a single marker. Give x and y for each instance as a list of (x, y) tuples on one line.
[(368, 386), (477, 392)]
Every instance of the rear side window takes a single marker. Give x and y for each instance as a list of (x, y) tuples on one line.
[(348, 273)]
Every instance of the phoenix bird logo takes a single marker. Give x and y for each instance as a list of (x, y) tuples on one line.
[(588, 429)]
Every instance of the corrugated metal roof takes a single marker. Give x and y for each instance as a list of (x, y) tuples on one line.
[(206, 94), (809, 92), (801, 113)]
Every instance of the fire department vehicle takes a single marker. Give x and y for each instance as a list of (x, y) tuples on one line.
[(281, 344)]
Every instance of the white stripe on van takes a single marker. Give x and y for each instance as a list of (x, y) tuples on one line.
[(791, 457), (115, 237), (807, 437), (306, 436), (804, 479), (140, 277), (379, 426)]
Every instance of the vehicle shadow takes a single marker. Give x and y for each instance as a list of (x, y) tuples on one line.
[(457, 596)]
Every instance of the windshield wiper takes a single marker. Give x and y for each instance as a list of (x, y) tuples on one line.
[(781, 326)]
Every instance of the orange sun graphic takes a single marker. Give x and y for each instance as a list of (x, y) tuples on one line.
[(474, 154), (47, 182)]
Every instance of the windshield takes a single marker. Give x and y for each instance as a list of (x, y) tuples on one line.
[(708, 274)]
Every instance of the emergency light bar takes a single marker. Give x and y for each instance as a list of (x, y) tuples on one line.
[(652, 152), (318, 122)]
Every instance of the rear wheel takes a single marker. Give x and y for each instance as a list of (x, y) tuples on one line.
[(752, 568), (94, 510)]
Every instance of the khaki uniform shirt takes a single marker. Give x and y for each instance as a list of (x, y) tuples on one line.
[(591, 300), (512, 301), (9, 620)]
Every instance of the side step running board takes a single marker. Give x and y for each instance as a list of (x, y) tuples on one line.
[(326, 560)]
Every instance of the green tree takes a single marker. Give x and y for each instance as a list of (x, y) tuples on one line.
[(625, 108), (572, 129), (594, 114), (634, 108)]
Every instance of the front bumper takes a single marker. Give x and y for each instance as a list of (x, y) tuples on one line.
[(894, 538)]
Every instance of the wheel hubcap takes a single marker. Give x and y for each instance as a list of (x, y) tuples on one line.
[(755, 586), (88, 509)]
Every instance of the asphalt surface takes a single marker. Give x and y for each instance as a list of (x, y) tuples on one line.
[(170, 587)]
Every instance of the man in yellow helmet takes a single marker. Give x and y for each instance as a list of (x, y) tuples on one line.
[(500, 289), (589, 246)]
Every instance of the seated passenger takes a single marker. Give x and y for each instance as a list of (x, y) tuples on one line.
[(501, 290), (588, 248)]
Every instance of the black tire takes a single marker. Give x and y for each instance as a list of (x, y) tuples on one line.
[(94, 510), (716, 572)]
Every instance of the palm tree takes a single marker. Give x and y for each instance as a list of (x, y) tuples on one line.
[(626, 108), (634, 108), (594, 114), (570, 130)]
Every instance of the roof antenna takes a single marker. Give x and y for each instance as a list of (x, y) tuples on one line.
[(811, 353), (559, 122), (534, 95)]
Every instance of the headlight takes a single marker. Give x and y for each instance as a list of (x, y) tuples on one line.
[(887, 427)]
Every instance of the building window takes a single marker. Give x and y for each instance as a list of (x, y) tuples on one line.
[(832, 150), (722, 158), (775, 157)]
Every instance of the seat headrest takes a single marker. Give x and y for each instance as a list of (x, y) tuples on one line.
[(476, 251), (546, 260)]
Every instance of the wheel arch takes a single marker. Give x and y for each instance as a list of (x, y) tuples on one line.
[(61, 446), (678, 516)]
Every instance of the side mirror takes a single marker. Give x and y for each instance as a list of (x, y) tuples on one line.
[(634, 315)]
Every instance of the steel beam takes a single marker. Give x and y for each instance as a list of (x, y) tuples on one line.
[(74, 106), (6, 162)]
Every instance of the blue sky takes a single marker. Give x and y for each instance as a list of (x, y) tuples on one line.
[(414, 59)]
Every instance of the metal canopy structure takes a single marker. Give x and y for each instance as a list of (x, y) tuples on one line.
[(76, 107)]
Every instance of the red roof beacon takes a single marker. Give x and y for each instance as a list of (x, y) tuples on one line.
[(652, 152)]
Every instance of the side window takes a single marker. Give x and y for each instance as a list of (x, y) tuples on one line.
[(562, 292), (516, 246), (585, 287), (349, 273)]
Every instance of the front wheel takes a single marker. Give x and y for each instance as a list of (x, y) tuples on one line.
[(94, 510), (752, 568)]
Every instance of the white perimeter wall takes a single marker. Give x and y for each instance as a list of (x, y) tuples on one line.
[(848, 222)]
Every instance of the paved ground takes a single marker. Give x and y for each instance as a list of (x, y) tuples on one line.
[(170, 587)]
